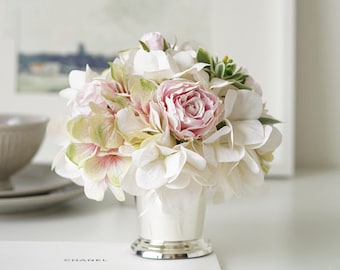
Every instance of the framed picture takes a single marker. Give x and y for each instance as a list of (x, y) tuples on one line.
[(38, 40)]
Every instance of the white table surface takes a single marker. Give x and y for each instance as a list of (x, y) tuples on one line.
[(293, 224)]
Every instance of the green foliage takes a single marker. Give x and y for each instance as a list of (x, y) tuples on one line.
[(144, 46), (268, 121), (225, 69), (203, 56)]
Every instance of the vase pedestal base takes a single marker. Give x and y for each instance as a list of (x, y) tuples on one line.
[(168, 250)]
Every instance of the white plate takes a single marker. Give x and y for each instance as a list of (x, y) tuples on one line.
[(34, 179), (37, 202)]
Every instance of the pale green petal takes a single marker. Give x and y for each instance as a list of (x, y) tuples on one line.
[(104, 133), (77, 128), (79, 152)]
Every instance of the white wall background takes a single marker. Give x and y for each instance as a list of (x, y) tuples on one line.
[(318, 85)]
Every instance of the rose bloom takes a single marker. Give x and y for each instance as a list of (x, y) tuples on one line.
[(191, 110), (154, 41)]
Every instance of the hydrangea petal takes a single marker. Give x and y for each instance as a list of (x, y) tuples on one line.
[(225, 153), (129, 183), (95, 190), (77, 79), (248, 105), (145, 155), (272, 141), (152, 175), (64, 167), (248, 132), (174, 164), (79, 152)]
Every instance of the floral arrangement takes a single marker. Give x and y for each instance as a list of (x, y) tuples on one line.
[(166, 118)]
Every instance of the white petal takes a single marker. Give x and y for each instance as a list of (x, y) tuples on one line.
[(118, 193), (151, 176), (95, 190), (273, 140), (195, 159), (216, 135), (248, 105), (129, 184), (127, 121), (174, 164), (64, 167), (248, 132), (77, 79), (180, 182), (56, 130), (219, 83), (252, 163), (150, 61), (145, 155), (229, 102), (184, 59), (69, 93), (197, 67), (224, 153)]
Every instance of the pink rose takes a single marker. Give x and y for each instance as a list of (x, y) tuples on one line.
[(154, 41), (192, 111)]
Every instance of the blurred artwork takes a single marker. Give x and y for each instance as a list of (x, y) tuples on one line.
[(55, 37)]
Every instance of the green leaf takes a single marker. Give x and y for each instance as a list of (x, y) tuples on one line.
[(237, 77), (203, 56), (221, 125), (241, 85), (220, 69), (144, 46), (268, 121), (165, 45)]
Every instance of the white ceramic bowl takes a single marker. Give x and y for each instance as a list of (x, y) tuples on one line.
[(20, 138)]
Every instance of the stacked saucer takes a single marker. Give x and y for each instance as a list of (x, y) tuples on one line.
[(36, 187)]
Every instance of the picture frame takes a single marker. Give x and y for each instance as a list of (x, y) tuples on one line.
[(259, 35)]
